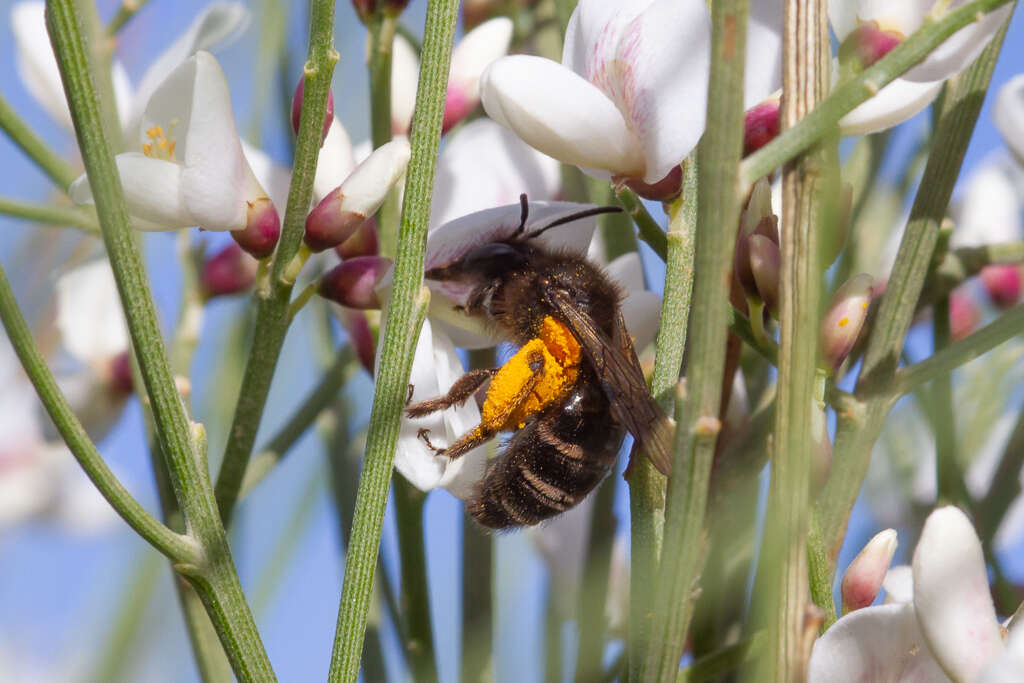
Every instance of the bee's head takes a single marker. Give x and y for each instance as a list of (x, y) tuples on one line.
[(486, 262)]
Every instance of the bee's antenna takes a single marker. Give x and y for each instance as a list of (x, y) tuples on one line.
[(596, 211), (523, 215)]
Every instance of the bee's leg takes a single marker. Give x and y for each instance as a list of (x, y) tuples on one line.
[(465, 387)]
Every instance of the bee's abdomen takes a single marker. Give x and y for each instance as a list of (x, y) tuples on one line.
[(549, 465)]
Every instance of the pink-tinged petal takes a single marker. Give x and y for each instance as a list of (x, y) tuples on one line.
[(763, 71), (1009, 115), (1007, 667), (989, 210), (652, 59), (475, 52), (874, 644), (484, 165), (951, 595), (961, 48), (335, 161), (903, 17), (216, 26), (864, 577), (561, 114), (899, 585), (892, 105), (367, 186), (405, 73)]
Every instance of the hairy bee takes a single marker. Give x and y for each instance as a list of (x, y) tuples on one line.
[(569, 394)]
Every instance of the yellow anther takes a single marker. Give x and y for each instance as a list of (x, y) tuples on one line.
[(155, 132), (147, 150), (844, 322)]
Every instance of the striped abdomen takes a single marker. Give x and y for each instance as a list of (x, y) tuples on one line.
[(552, 463)]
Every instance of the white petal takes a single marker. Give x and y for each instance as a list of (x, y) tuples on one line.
[(961, 48), (36, 64), (364, 191), (652, 59), (951, 595), (475, 52), (436, 367), (1009, 666), (902, 17), (628, 271), (892, 105), (217, 25), (334, 163), (405, 73), (561, 114), (96, 404), (763, 74), (1009, 114), (484, 165), (89, 317), (152, 191), (641, 309), (989, 211), (880, 643), (270, 174), (899, 585)]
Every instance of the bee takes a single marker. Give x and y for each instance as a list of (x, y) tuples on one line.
[(569, 394)]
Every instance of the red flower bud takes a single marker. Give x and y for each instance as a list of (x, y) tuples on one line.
[(229, 271), (964, 315), (329, 225), (867, 44), (121, 373), (765, 265), (353, 282), (297, 110), (365, 241), (665, 190), (760, 125), (359, 335), (844, 319), (863, 579), (1003, 284), (262, 229)]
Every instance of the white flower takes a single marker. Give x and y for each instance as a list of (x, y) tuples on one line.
[(190, 169), (218, 24), (1009, 115), (950, 629), (629, 97), (470, 56), (989, 210)]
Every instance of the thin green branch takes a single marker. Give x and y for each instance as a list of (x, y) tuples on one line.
[(418, 639), (382, 27), (177, 547), (948, 477), (405, 312), (697, 415), (273, 299), (849, 94), (648, 229), (1005, 486), (82, 218), (729, 658), (127, 10), (34, 148), (855, 437)]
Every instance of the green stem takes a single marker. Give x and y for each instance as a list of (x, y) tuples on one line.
[(648, 229), (34, 148), (806, 62), (319, 399), (182, 442), (75, 217), (847, 95), (381, 39), (415, 596), (477, 580), (302, 299), (948, 477), (1005, 486), (855, 437), (401, 328), (697, 412), (127, 10), (594, 588), (273, 300), (723, 661)]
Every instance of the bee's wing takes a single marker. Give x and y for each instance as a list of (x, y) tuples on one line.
[(618, 369)]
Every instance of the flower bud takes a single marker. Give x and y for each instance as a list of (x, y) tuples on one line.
[(1003, 284), (353, 282), (760, 125), (844, 319), (359, 335), (297, 109), (366, 8), (343, 211), (229, 271), (665, 190), (120, 370), (262, 228), (364, 241), (863, 579), (964, 315), (765, 265), (474, 53), (867, 44), (757, 218)]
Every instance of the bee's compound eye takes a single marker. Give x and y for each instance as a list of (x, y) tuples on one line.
[(493, 259)]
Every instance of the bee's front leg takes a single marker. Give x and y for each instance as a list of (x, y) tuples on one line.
[(463, 388)]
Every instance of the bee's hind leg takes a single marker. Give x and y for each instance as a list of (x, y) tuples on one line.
[(465, 387)]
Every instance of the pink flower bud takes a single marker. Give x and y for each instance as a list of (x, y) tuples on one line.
[(121, 373), (844, 319), (365, 241), (359, 335), (262, 228), (760, 125), (765, 264), (366, 8), (329, 224), (353, 282), (297, 109), (867, 44), (964, 315), (665, 190), (457, 106), (1003, 284), (229, 271), (863, 579)]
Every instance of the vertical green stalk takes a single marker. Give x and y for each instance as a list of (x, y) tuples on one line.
[(415, 595), (182, 442), (856, 435), (948, 477), (272, 300), (405, 312), (34, 148), (697, 407), (806, 62), (382, 36), (646, 485), (594, 586)]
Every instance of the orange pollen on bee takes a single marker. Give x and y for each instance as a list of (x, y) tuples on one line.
[(506, 408), (161, 145)]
